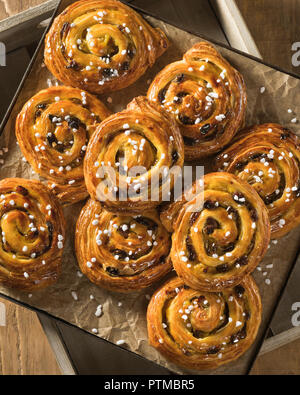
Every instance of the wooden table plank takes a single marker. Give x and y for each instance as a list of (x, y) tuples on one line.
[(13, 7), (24, 348), (274, 25)]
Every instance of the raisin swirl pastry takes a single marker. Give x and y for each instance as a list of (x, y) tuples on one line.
[(268, 158), (101, 46), (32, 234), (207, 97), (215, 244), (133, 158), (120, 252), (203, 330), (53, 130)]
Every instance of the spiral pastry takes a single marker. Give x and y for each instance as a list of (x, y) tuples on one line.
[(101, 46), (119, 252), (217, 243), (268, 158), (203, 330), (207, 97), (53, 130), (32, 234), (133, 158)]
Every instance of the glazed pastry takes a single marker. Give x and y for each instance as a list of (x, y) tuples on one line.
[(32, 232), (268, 158), (101, 46), (202, 330), (128, 157), (119, 252), (221, 235), (53, 130), (206, 96)]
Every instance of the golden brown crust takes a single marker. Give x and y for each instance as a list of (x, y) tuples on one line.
[(120, 252), (101, 46), (127, 154), (33, 232), (268, 157), (218, 245), (201, 330), (207, 102), (53, 130)]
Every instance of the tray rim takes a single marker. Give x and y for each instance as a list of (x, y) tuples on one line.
[(6, 118)]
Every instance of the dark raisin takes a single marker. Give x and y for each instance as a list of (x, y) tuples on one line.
[(239, 166), (239, 197), (190, 141), (51, 139), (124, 233), (255, 156), (73, 65), (122, 254), (162, 94), (175, 157), (186, 286), (130, 51), (239, 290), (37, 114), (185, 351), (107, 72), (253, 215), (65, 29), (205, 129), (209, 205), (179, 96), (201, 299), (51, 117), (247, 315), (185, 120), (179, 78), (228, 248), (190, 249), (284, 136), (112, 271), (60, 148), (151, 225), (238, 336), (213, 350), (74, 123), (211, 225), (23, 191), (222, 268), (41, 106), (193, 218), (125, 66), (242, 261)]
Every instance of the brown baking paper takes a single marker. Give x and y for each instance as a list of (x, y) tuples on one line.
[(128, 321)]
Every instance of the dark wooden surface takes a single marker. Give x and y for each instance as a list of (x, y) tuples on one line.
[(275, 26)]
